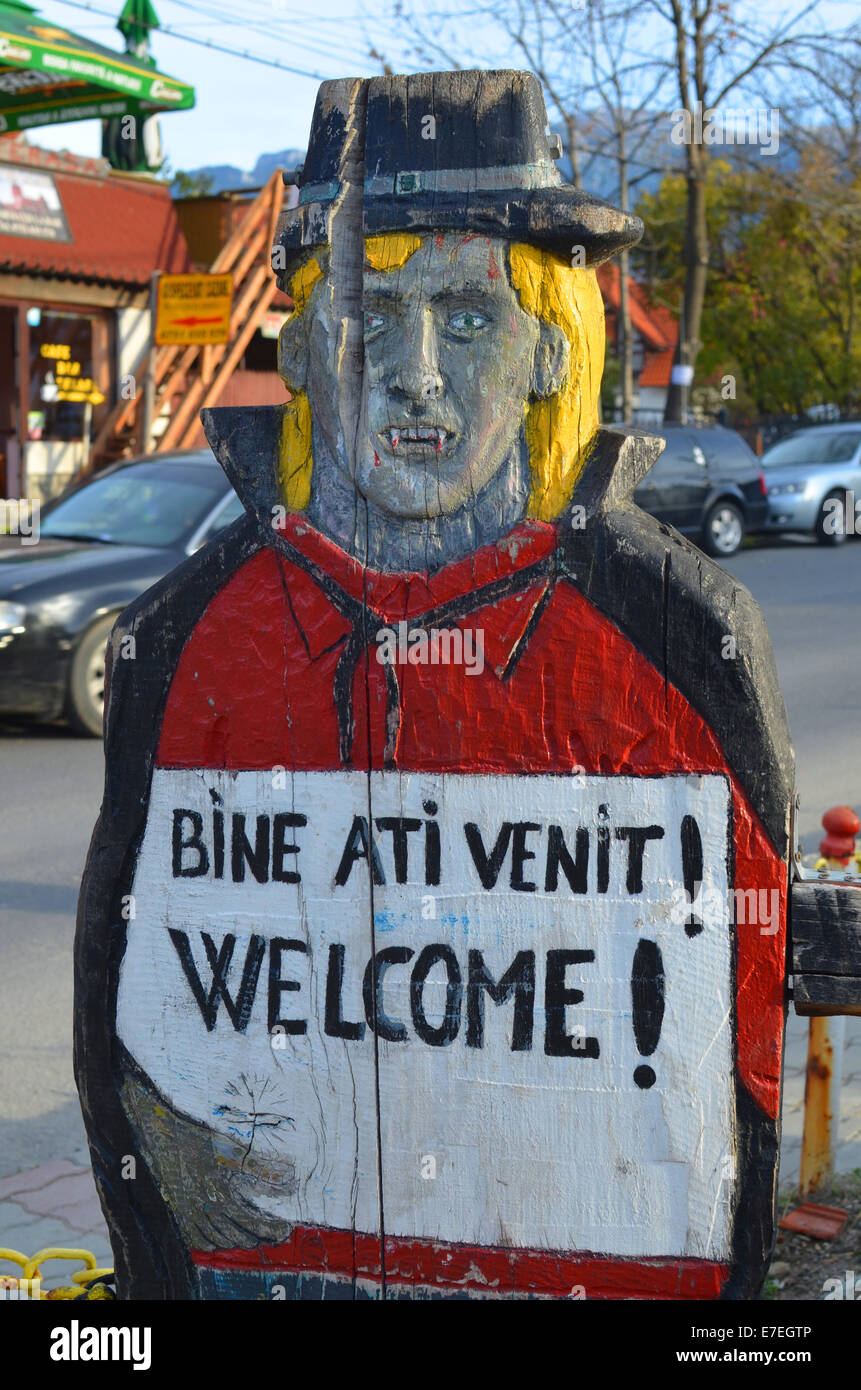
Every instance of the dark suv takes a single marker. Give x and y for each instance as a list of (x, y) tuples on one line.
[(708, 484)]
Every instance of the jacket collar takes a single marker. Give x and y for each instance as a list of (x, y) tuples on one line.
[(246, 440)]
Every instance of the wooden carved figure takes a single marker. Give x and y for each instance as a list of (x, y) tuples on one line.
[(433, 936)]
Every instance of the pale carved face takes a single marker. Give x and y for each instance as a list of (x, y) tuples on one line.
[(450, 360)]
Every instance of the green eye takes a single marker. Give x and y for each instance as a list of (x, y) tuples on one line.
[(373, 321), (467, 323)]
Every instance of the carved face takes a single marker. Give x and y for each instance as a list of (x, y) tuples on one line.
[(450, 360), (448, 368)]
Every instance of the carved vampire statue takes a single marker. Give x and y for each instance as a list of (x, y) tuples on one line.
[(440, 606)]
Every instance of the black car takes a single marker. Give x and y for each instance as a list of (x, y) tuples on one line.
[(100, 546), (708, 484)]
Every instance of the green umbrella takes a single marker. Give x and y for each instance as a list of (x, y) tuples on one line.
[(50, 75)]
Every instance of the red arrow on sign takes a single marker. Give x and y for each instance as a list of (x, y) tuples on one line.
[(190, 322)]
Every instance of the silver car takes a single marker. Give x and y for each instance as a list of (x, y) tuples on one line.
[(814, 482)]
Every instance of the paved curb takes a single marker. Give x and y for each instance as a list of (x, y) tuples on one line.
[(53, 1205)]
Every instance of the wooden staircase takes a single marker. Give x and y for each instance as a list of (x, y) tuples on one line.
[(189, 379)]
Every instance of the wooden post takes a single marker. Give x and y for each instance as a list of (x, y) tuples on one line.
[(827, 1037), (86, 436), (149, 378), (821, 1102), (432, 941), (206, 364)]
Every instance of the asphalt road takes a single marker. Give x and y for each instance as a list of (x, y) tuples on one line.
[(811, 598), (50, 788)]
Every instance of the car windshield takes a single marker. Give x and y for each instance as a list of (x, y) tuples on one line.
[(813, 446), (146, 504)]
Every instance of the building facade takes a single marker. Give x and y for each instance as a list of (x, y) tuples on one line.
[(79, 243)]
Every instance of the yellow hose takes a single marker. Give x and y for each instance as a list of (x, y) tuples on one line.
[(86, 1282)]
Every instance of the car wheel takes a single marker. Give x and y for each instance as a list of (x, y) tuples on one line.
[(723, 529), (87, 680), (830, 528)]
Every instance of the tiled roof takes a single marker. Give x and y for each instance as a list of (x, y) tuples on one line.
[(656, 368), (655, 324), (123, 227), (16, 149)]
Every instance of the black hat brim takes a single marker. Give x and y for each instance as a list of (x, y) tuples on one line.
[(561, 219)]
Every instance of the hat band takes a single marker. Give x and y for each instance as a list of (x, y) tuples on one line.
[(497, 178)]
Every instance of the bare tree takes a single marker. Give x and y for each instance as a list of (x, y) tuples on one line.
[(618, 71), (619, 86), (714, 53), (825, 135)]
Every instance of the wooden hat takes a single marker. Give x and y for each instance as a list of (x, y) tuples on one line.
[(447, 150)]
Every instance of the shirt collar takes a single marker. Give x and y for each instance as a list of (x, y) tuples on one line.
[(397, 596), (394, 598)]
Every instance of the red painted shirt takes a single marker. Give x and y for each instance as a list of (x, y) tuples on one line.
[(287, 644)]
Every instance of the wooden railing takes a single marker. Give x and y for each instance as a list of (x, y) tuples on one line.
[(199, 373)]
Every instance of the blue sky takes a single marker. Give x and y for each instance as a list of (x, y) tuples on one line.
[(245, 109)]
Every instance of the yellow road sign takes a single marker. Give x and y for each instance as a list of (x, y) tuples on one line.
[(193, 309)]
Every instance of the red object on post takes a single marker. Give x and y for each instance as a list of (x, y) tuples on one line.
[(842, 826)]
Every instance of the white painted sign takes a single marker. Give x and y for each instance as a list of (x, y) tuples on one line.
[(554, 1044)]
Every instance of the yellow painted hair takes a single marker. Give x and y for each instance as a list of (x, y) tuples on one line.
[(559, 430), (295, 460)]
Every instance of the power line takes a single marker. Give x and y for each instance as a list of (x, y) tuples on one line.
[(294, 17), (298, 39), (276, 14), (205, 43)]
